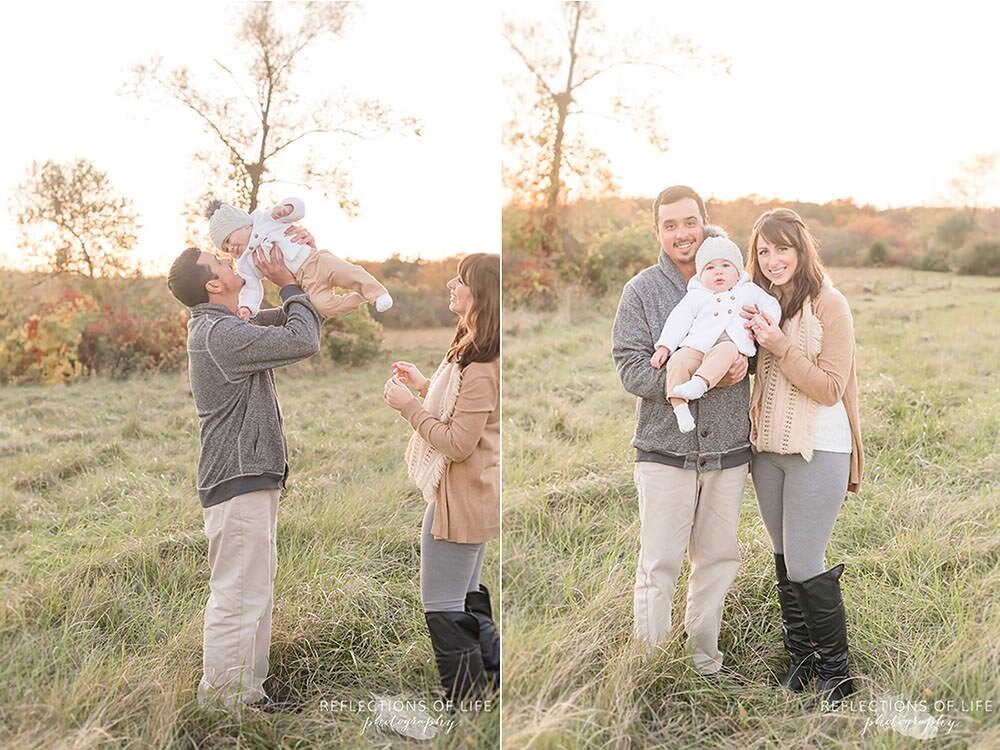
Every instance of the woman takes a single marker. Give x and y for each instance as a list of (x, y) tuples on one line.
[(454, 458), (806, 436)]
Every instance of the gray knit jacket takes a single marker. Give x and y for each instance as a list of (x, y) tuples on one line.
[(721, 438), (230, 361)]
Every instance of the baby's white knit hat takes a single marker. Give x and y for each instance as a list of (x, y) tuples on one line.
[(225, 220), (717, 248)]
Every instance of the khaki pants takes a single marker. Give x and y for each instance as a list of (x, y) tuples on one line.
[(682, 509), (322, 271), (686, 362), (243, 559)]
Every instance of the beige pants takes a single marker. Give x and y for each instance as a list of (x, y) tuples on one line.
[(682, 509), (686, 362), (243, 558), (322, 271)]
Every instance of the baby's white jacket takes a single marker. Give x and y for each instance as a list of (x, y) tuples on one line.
[(701, 316), (266, 232)]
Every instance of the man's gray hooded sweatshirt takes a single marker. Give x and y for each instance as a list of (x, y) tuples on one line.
[(721, 437), (242, 441)]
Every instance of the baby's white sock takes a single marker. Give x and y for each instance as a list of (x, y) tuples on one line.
[(693, 389), (684, 419), (383, 303)]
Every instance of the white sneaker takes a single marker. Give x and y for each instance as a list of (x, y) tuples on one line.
[(383, 303)]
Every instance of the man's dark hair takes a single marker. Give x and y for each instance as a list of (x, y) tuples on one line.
[(676, 193), (187, 278)]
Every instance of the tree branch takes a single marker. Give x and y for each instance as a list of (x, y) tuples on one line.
[(530, 66)]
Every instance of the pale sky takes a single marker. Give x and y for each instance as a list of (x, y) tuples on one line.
[(879, 101), (434, 196)]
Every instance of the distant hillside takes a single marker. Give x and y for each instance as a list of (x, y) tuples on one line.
[(605, 241), (418, 288)]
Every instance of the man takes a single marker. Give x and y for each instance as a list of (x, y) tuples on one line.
[(243, 463), (690, 485)]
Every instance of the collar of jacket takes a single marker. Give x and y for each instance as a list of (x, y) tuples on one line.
[(669, 270), (210, 308)]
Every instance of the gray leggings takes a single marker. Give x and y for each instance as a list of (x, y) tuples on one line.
[(448, 570), (799, 502)]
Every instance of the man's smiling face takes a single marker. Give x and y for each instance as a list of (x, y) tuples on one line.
[(226, 279), (680, 230)]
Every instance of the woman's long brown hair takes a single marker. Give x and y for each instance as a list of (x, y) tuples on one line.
[(477, 335), (782, 226)]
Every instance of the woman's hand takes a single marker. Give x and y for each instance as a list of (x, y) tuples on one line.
[(767, 333), (747, 313), (298, 234), (408, 374), (396, 394)]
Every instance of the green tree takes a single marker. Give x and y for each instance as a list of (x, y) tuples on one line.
[(562, 65), (982, 259), (256, 118), (71, 218), (973, 179), (878, 255), (953, 231)]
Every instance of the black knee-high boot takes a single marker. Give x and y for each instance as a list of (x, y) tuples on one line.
[(477, 603), (823, 608), (795, 634), (455, 638)]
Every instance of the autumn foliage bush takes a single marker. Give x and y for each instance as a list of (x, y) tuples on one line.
[(45, 348), (56, 328), (352, 339), (118, 344), (74, 336)]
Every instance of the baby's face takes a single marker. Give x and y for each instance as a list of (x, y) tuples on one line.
[(719, 275), (237, 241)]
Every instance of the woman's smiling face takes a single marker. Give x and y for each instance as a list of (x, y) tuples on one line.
[(460, 299), (778, 262)]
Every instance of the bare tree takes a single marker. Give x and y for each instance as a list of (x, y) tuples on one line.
[(973, 179), (70, 217), (255, 116), (561, 63)]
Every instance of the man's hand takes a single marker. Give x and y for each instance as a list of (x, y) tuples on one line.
[(244, 313), (737, 371), (659, 357), (280, 212), (273, 269), (297, 234)]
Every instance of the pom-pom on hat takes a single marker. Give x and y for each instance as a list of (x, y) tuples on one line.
[(717, 248), (225, 220)]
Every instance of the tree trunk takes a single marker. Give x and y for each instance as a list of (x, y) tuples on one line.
[(550, 221)]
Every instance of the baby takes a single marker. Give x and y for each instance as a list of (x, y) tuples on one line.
[(317, 271), (705, 330)]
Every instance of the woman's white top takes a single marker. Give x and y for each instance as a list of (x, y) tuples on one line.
[(832, 429)]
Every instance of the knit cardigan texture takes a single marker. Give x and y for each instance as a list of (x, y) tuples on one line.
[(468, 495), (815, 364)]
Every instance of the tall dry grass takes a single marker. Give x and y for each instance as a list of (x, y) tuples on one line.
[(104, 571), (921, 542)]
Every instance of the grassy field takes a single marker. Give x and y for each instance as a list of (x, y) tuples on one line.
[(921, 542), (103, 568)]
